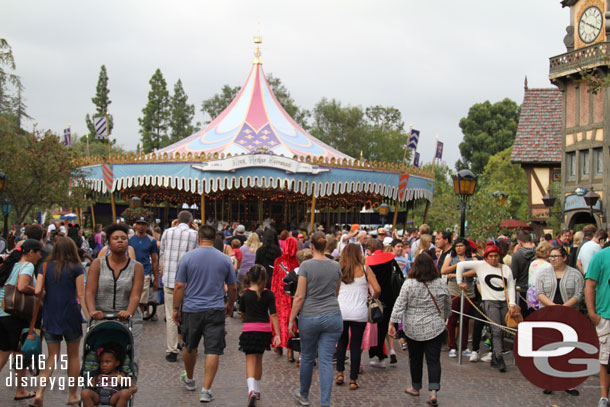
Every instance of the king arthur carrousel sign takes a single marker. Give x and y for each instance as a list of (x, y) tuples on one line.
[(260, 160)]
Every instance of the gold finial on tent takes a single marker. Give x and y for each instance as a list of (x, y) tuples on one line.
[(258, 39)]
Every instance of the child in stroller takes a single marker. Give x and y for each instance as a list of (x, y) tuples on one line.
[(111, 386)]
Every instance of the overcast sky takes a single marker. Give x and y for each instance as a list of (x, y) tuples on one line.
[(430, 61)]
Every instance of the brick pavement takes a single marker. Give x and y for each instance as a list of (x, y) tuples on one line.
[(467, 385)]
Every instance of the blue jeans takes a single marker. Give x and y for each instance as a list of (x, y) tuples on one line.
[(319, 333)]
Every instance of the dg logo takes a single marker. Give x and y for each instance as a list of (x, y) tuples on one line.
[(557, 348)]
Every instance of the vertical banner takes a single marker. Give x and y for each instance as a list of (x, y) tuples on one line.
[(413, 139), (416, 160), (402, 186), (108, 176), (439, 150)]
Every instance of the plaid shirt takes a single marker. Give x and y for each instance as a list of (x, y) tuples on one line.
[(174, 243), (420, 318)]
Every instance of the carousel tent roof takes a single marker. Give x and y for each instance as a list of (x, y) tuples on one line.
[(254, 121)]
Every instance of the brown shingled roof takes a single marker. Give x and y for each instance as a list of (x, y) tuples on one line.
[(538, 138)]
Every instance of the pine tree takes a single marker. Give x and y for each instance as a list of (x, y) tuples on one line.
[(154, 123), (181, 115), (101, 102)]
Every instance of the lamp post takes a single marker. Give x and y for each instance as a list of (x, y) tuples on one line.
[(549, 201), (6, 209), (501, 197), (464, 184), (591, 199), (384, 209)]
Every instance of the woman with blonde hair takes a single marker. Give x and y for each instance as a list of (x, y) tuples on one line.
[(425, 242), (248, 255)]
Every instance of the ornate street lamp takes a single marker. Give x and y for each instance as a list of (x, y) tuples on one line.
[(591, 199), (464, 184), (549, 200), (384, 209), (6, 209), (501, 197)]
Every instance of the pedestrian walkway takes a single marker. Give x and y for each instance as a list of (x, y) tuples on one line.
[(472, 384)]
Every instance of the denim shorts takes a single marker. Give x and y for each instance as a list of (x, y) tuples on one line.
[(53, 338)]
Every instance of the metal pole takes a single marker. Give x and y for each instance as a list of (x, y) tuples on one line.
[(463, 221), (202, 209), (93, 217), (6, 226), (313, 214), (396, 207), (426, 211), (460, 330)]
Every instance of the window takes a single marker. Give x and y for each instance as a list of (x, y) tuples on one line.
[(598, 162), (571, 162), (584, 163)]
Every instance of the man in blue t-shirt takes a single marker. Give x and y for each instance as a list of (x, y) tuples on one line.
[(147, 253), (200, 307)]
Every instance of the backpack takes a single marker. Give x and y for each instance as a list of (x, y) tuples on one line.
[(397, 279)]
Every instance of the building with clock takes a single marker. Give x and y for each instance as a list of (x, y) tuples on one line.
[(581, 76)]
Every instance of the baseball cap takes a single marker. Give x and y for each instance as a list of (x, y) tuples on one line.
[(241, 228), (355, 227), (387, 241), (382, 231), (141, 219), (300, 235)]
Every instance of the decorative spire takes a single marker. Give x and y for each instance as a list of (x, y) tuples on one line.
[(258, 39), (525, 83)]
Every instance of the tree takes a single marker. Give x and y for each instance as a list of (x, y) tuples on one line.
[(155, 122), (213, 106), (101, 102), (376, 132), (488, 129), (12, 106), (443, 213), (79, 147), (39, 171), (181, 114)]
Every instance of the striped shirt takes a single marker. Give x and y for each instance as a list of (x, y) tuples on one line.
[(175, 242)]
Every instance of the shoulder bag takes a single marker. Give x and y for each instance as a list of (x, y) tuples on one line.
[(17, 303), (440, 314), (375, 306), (514, 320)]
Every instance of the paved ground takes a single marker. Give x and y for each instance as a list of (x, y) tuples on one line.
[(467, 385)]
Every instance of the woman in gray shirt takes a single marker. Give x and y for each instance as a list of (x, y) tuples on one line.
[(320, 322), (423, 305)]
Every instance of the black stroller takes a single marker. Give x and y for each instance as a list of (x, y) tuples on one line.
[(106, 331)]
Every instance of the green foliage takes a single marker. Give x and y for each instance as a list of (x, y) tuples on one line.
[(155, 121), (488, 129), (181, 114), (443, 213), (39, 171), (12, 102), (79, 147), (102, 101), (376, 132)]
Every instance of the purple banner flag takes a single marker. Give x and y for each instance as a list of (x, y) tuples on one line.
[(439, 150), (413, 139), (416, 160), (68, 137)]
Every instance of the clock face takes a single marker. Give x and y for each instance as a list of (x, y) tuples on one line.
[(590, 24)]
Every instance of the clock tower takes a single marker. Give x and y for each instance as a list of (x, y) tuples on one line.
[(585, 127)]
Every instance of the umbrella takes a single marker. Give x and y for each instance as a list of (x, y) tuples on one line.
[(68, 216), (515, 224)]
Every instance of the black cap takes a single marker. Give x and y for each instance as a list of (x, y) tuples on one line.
[(141, 219)]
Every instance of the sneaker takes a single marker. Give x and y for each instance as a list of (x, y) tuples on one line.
[(171, 357), (252, 399), (404, 346), (258, 395), (206, 396), (603, 402), (486, 357), (474, 356), (467, 353), (188, 383), (302, 400), (453, 353), (378, 363), (374, 359), (393, 359), (501, 364), (494, 361), (154, 318)]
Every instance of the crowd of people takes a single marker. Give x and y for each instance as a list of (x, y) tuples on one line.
[(310, 295)]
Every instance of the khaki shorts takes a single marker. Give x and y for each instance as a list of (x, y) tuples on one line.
[(603, 330), (145, 290)]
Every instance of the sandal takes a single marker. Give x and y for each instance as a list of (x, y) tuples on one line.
[(290, 356), (340, 379), (412, 392), (353, 385), (432, 401)]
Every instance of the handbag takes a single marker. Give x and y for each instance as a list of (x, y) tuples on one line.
[(514, 320), (440, 314), (375, 307), (31, 347), (17, 303)]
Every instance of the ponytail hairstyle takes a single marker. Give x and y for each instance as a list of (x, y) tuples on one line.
[(9, 262), (256, 275)]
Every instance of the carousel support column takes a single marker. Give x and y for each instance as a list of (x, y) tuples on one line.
[(260, 211), (396, 208), (215, 209), (286, 210), (92, 216), (202, 209), (113, 207), (222, 210), (313, 214), (328, 217), (166, 214), (238, 211), (426, 211)]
